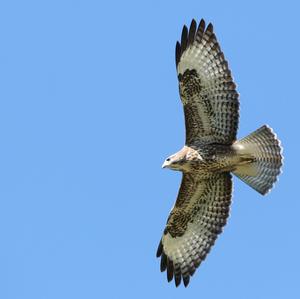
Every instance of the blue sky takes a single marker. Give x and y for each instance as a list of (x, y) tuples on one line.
[(90, 109)]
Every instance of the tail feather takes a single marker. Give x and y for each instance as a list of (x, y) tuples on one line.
[(266, 152)]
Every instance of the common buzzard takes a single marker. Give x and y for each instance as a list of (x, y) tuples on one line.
[(211, 152)]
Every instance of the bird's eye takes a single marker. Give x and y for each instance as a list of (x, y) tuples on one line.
[(168, 159)]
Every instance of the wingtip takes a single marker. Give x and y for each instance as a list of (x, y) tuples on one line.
[(163, 262), (159, 249), (194, 22), (210, 28), (202, 23), (192, 31), (191, 34), (170, 270), (177, 280), (184, 32), (177, 52), (184, 38), (186, 280)]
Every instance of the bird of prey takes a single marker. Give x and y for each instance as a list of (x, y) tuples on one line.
[(210, 154)]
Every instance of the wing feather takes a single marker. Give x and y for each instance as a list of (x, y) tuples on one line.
[(207, 90), (199, 214), (192, 32), (184, 39)]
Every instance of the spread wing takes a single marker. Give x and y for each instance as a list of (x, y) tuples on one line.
[(207, 90), (200, 212)]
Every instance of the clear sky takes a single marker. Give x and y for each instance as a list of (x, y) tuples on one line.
[(89, 109)]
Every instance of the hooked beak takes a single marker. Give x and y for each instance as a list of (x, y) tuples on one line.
[(165, 164)]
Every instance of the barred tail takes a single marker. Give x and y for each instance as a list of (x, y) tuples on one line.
[(264, 148)]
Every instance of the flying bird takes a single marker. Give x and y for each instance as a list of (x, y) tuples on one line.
[(210, 154)]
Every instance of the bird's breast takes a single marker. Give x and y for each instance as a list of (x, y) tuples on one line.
[(211, 159)]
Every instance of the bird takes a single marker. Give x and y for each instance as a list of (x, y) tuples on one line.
[(210, 155)]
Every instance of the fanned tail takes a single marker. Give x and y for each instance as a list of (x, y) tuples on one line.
[(264, 148)]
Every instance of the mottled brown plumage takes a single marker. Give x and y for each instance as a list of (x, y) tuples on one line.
[(211, 109)]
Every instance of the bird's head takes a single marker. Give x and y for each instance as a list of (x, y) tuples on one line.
[(175, 162)]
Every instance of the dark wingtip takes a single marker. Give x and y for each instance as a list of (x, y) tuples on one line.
[(163, 262), (177, 279), (184, 38), (201, 26), (197, 263), (170, 270), (192, 271), (210, 28), (186, 280), (200, 30), (192, 32), (177, 53), (188, 36), (159, 249)]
